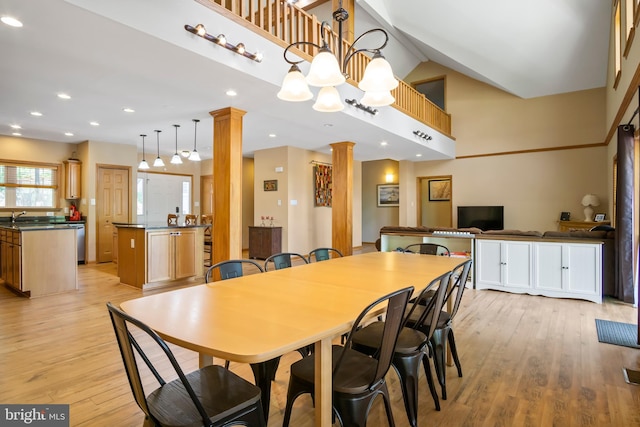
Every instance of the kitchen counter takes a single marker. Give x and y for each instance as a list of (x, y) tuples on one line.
[(157, 226)]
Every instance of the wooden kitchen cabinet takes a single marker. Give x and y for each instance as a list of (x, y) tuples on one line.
[(10, 249), (72, 179), (264, 241)]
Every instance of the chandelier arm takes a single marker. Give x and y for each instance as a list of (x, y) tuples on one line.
[(353, 51), (295, 44)]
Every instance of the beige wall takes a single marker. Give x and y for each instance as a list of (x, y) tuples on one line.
[(537, 181), (373, 216), (304, 226)]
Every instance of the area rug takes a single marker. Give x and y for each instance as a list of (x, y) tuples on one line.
[(625, 334)]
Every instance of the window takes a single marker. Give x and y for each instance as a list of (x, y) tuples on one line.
[(433, 90), (140, 197), (629, 8), (617, 33), (24, 185)]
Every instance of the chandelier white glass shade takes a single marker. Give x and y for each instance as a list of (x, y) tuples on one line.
[(194, 156), (158, 163), (143, 164), (329, 71), (176, 160)]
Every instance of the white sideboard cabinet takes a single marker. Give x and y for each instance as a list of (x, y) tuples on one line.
[(504, 265)]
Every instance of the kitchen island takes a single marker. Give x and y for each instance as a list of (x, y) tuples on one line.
[(38, 259), (157, 255)]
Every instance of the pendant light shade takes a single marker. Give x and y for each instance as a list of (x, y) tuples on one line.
[(194, 156), (294, 86), (377, 99), (378, 76), (176, 160), (328, 100), (158, 161), (325, 70), (143, 164)]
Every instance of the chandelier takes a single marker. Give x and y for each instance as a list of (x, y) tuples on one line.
[(328, 71)]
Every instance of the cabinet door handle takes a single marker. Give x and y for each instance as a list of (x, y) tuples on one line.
[(565, 268)]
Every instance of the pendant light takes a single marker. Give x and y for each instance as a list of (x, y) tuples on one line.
[(194, 156), (143, 164), (158, 161), (176, 160)]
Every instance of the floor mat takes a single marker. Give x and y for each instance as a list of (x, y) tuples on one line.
[(631, 376), (617, 333)]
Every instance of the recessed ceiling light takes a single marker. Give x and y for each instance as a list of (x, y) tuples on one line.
[(383, 143), (128, 110), (11, 21), (68, 133), (94, 123), (63, 96), (231, 92), (418, 155), (272, 135), (328, 125), (16, 134), (36, 113), (15, 126)]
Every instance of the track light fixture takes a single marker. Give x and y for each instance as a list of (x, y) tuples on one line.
[(370, 110), (143, 164), (422, 135), (221, 40), (328, 71)]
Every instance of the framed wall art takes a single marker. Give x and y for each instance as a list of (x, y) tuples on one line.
[(271, 185), (322, 185), (439, 190), (388, 195)]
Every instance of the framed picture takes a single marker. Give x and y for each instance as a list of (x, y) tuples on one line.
[(439, 190), (600, 217), (388, 195), (271, 185), (565, 216)]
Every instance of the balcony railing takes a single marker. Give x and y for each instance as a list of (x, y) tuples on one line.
[(284, 24)]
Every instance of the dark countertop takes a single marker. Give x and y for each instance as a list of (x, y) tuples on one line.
[(157, 225), (26, 226)]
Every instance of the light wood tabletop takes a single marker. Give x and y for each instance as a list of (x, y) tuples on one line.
[(258, 317)]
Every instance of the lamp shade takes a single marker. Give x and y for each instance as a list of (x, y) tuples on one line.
[(590, 200), (377, 99), (143, 165), (325, 70), (378, 76), (328, 100), (294, 86)]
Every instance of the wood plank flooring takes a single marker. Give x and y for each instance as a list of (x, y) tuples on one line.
[(526, 360)]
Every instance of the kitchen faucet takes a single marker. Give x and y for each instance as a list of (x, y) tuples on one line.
[(14, 216)]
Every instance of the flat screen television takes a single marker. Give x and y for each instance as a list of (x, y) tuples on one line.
[(482, 217)]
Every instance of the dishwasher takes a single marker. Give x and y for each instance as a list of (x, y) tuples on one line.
[(80, 243)]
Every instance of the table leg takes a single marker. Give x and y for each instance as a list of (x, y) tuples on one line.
[(323, 386), (205, 360), (264, 373)]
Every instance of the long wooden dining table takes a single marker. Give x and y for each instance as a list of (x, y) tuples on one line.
[(259, 317)]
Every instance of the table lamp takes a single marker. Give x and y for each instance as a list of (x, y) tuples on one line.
[(587, 201)]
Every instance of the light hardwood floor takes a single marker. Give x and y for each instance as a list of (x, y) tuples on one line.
[(527, 361)]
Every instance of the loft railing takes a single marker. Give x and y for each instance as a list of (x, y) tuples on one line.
[(284, 24)]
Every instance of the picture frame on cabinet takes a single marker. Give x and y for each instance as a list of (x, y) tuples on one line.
[(600, 217), (565, 216)]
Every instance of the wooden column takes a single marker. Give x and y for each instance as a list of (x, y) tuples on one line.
[(227, 178), (342, 204)]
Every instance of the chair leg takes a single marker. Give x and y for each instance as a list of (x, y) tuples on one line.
[(408, 367), (226, 364), (352, 410), (454, 352), (439, 350), (263, 373), (432, 386), (296, 388)]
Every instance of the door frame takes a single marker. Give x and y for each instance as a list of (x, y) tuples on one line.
[(419, 180), (98, 182)]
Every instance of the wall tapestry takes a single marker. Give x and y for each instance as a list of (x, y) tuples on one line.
[(323, 184)]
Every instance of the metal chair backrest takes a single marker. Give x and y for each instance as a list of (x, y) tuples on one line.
[(459, 277), (428, 249), (430, 313), (282, 260), (396, 307), (323, 254), (230, 268), (128, 343)]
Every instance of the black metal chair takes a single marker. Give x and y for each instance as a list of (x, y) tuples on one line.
[(428, 249), (444, 332), (357, 378), (323, 254), (230, 268), (413, 346), (210, 396), (282, 260)]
